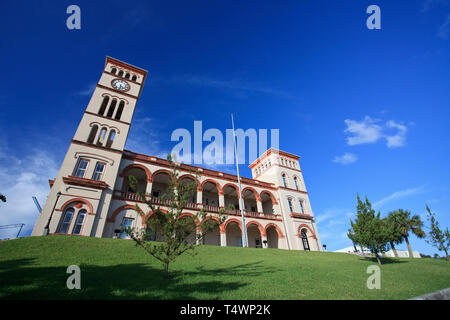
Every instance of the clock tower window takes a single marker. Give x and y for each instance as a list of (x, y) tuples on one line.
[(119, 110), (92, 134), (111, 108), (102, 109)]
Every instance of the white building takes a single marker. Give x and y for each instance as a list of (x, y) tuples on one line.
[(95, 199)]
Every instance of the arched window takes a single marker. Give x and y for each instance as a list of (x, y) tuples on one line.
[(296, 183), (92, 134), (134, 78), (119, 110), (111, 108), (291, 208), (127, 76), (113, 70), (68, 214), (112, 134), (101, 137), (284, 180), (301, 205), (79, 222), (120, 74), (102, 109), (304, 240)]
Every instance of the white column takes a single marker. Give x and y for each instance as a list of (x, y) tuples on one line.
[(223, 239), (264, 245), (259, 206), (221, 200), (148, 189)]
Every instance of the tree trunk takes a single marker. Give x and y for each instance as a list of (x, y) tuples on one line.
[(446, 254), (393, 249), (378, 258), (362, 251), (409, 247), (166, 270)]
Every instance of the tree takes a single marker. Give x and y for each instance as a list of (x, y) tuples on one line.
[(369, 230), (436, 237), (394, 230), (170, 228), (408, 223)]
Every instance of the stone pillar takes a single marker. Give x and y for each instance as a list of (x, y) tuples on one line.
[(221, 200), (223, 239), (199, 196), (264, 245), (148, 189), (259, 206), (198, 231)]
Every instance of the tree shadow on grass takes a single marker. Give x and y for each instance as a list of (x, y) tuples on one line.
[(383, 260), (21, 279)]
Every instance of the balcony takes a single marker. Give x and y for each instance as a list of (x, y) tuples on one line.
[(301, 216), (129, 196)]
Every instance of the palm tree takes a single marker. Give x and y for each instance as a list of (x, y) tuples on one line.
[(407, 223), (394, 230)]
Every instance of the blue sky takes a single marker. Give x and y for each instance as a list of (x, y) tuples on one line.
[(367, 110)]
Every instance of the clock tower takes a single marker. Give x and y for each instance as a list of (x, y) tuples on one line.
[(80, 195)]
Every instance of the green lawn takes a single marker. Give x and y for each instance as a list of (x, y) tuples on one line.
[(35, 268)]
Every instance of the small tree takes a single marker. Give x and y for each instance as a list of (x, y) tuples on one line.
[(369, 230), (436, 237), (394, 230), (409, 223), (169, 228)]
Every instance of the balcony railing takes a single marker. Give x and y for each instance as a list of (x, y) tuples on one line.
[(194, 206), (301, 215)]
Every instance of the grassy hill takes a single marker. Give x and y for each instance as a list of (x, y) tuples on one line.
[(35, 268)]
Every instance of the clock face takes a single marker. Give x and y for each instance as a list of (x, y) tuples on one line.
[(120, 84)]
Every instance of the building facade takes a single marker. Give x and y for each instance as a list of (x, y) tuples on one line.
[(91, 195)]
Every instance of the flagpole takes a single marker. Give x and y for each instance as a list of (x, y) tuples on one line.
[(241, 200)]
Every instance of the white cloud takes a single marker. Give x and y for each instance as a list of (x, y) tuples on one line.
[(398, 139), (371, 130), (20, 179), (88, 91), (365, 131), (347, 158), (399, 194)]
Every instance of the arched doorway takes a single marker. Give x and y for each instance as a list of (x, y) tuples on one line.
[(160, 186), (212, 237), (230, 193), (141, 177), (267, 203), (249, 197), (188, 229), (304, 237), (272, 237), (233, 234), (210, 194), (189, 184), (254, 236)]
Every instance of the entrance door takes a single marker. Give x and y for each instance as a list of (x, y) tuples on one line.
[(305, 240), (127, 223)]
